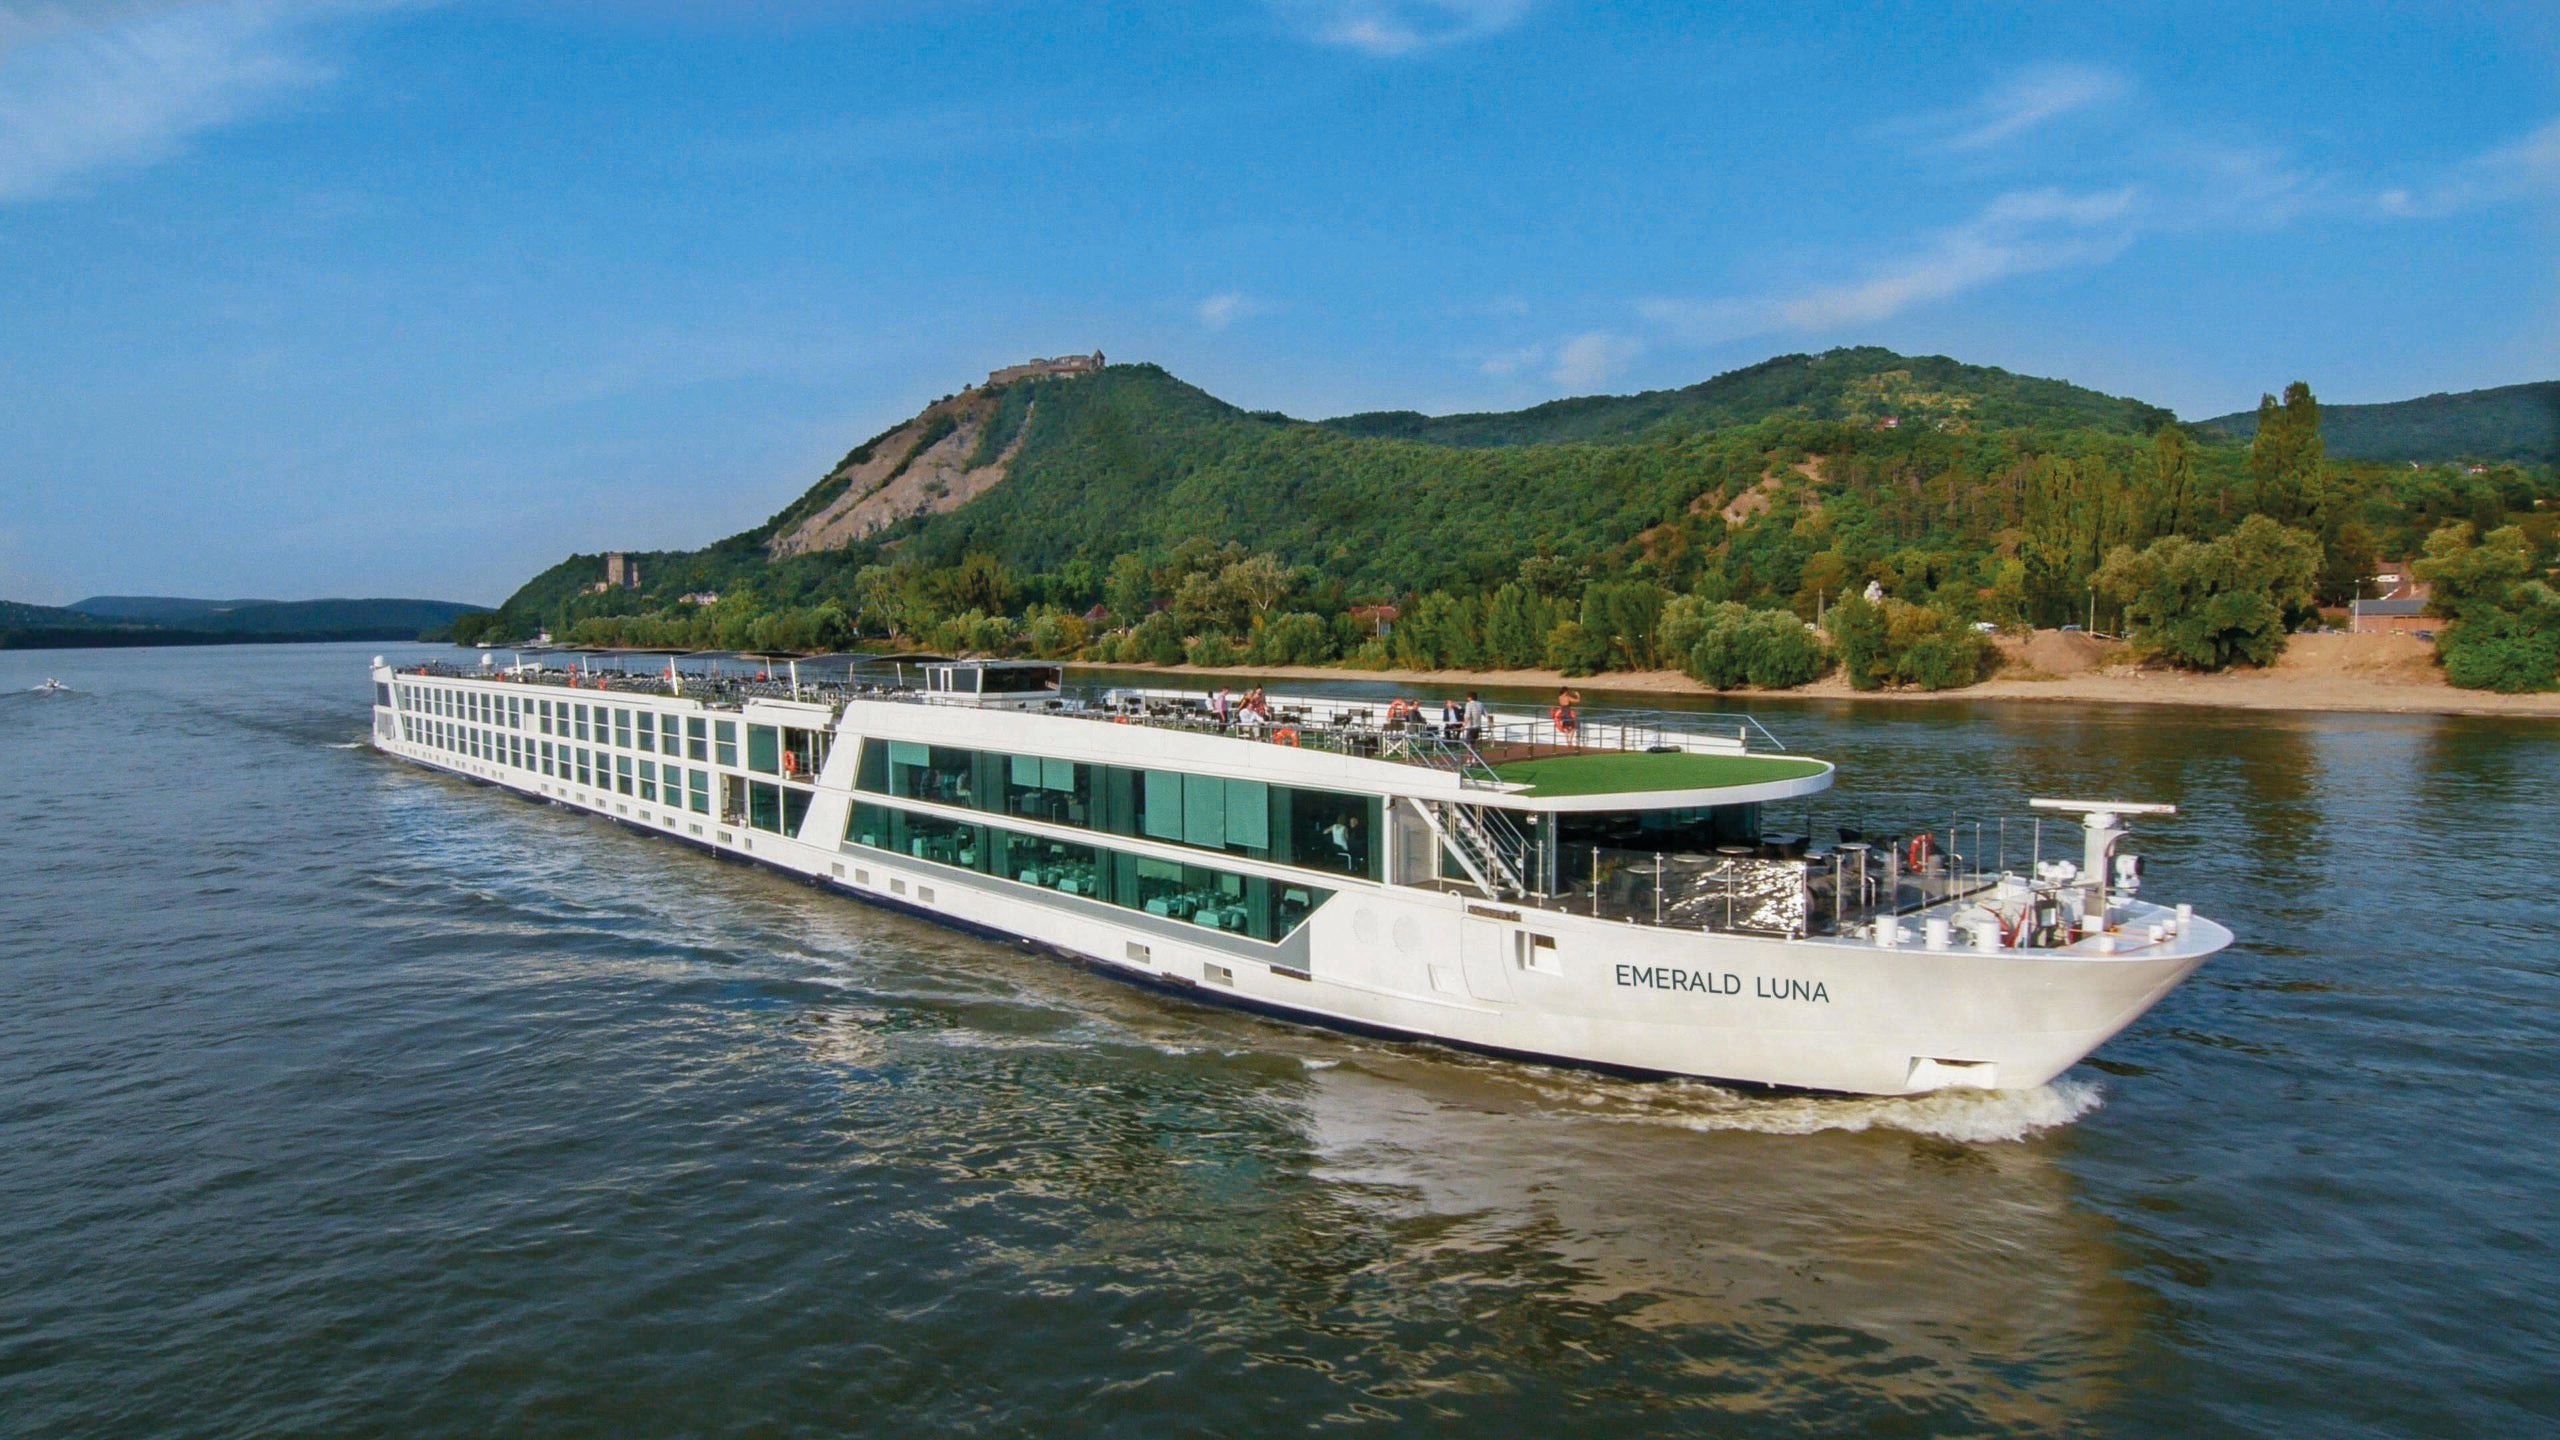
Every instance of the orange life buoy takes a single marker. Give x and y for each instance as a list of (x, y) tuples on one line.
[(1285, 735), (1918, 851)]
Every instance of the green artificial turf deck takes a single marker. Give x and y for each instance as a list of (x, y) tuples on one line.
[(1612, 772)]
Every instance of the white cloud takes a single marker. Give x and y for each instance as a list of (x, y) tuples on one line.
[(2176, 182), (1225, 308), (2509, 172), (1503, 363), (2027, 100), (1586, 362), (2019, 233), (119, 85), (1392, 28)]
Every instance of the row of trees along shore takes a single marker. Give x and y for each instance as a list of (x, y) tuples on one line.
[(2206, 554)]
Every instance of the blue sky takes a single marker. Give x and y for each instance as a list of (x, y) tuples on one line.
[(310, 297)]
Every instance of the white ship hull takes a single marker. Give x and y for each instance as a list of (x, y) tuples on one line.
[(1836, 1013)]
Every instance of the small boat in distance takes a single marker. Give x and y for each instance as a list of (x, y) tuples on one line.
[(1593, 888), (52, 686)]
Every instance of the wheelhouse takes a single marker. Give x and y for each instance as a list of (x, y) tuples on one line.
[(1021, 683)]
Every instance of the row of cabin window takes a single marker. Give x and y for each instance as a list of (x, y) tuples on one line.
[(448, 703), (693, 737), (1283, 824), (1250, 905), (643, 779), (791, 752)]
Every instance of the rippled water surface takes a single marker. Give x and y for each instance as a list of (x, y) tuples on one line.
[(341, 1098)]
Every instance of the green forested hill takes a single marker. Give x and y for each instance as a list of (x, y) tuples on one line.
[(1971, 492), (1860, 385), (1133, 459), (2519, 424)]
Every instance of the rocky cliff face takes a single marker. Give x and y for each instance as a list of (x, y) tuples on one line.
[(921, 468)]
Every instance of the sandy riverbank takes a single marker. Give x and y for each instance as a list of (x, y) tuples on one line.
[(2392, 674)]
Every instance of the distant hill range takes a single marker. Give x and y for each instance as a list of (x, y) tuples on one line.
[(1859, 385), (2517, 424), (175, 620)]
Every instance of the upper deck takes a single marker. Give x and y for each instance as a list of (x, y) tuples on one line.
[(1600, 759)]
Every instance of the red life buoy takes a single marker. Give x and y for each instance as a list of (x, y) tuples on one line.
[(1285, 735), (1917, 853)]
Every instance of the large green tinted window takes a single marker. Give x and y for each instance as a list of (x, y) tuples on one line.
[(1214, 899), (1290, 825), (771, 807), (764, 749)]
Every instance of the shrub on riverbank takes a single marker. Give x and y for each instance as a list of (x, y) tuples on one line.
[(1728, 646), (1296, 639), (2208, 606), (1896, 643), (2505, 634)]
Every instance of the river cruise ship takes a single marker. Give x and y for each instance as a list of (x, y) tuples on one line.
[(1601, 889)]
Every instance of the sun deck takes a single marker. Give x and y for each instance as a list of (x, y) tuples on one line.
[(1516, 757)]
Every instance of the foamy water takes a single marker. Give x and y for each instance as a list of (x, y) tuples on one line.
[(1981, 1117)]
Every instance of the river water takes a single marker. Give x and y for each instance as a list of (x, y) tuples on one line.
[(340, 1098)]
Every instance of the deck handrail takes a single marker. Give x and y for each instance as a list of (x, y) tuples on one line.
[(1340, 724)]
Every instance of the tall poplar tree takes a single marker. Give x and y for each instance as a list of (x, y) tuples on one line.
[(2287, 461), (2173, 472)]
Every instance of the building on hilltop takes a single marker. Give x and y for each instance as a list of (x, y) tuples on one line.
[(1064, 365), (620, 573)]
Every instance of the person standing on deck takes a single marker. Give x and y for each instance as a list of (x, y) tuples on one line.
[(1477, 717), (1567, 715), (1219, 707)]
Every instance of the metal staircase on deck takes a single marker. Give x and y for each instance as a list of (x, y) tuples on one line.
[(1484, 842)]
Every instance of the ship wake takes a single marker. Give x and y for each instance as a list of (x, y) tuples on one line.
[(1968, 1116)]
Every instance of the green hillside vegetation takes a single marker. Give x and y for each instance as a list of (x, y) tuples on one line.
[(1144, 520), (2514, 424), (1857, 386)]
